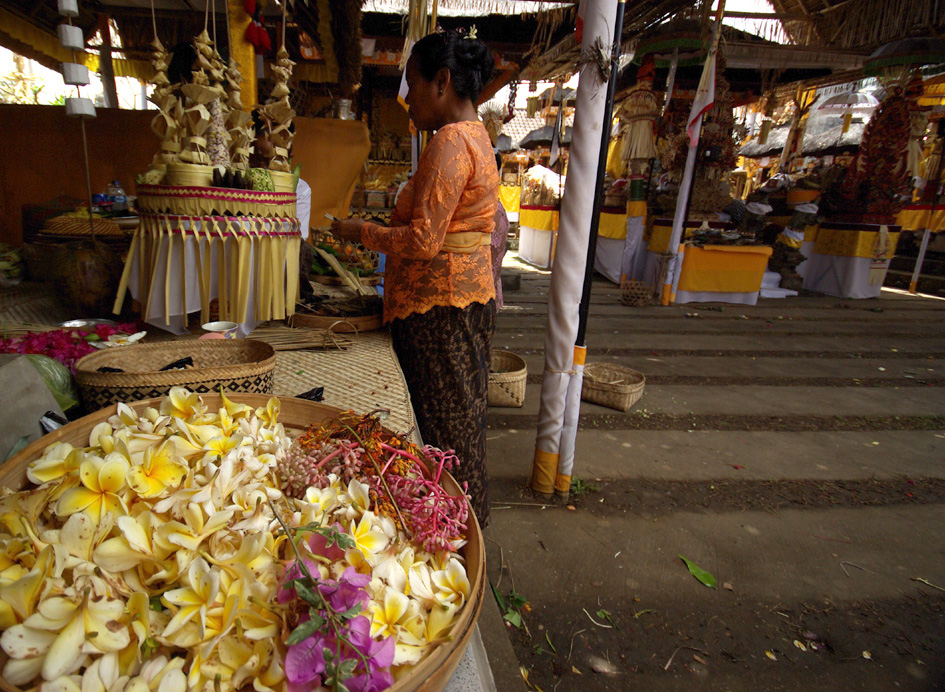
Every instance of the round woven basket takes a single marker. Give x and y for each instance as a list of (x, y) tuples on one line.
[(637, 294), (433, 672), (235, 365), (361, 323), (613, 386), (507, 373)]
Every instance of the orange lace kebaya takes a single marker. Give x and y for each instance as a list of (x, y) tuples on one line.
[(437, 245)]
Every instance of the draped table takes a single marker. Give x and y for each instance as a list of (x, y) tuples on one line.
[(850, 260), (194, 246)]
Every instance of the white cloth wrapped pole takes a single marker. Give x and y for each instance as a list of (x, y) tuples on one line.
[(572, 413), (568, 276)]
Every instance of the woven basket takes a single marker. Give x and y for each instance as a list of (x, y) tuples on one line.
[(613, 386), (507, 373), (235, 365), (637, 294)]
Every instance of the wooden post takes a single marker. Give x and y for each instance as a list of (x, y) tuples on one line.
[(243, 52), (106, 69)]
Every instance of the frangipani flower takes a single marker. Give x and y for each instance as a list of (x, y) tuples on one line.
[(194, 599), (368, 539), (388, 613), (68, 628), (270, 414), (58, 460), (101, 482), (452, 584), (182, 403), (159, 470)]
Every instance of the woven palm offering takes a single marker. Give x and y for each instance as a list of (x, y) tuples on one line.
[(202, 207), (225, 543)]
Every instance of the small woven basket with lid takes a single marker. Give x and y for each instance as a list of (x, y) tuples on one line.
[(233, 365)]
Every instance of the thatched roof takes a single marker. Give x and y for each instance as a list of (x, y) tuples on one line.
[(834, 140), (860, 24), (773, 145)]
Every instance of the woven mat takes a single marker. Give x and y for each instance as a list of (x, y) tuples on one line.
[(30, 303), (365, 377)]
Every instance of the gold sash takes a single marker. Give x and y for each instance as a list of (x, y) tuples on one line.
[(465, 242)]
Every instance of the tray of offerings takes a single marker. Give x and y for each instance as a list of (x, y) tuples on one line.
[(213, 542)]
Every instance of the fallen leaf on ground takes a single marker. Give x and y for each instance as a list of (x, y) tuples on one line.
[(800, 645), (770, 654), (697, 657), (728, 587), (699, 573), (576, 671)]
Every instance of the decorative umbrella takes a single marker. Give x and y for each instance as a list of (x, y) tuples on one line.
[(542, 136), (560, 93), (682, 37), (849, 103), (905, 54)]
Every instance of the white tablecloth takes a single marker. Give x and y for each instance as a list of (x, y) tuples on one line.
[(536, 246), (843, 277)]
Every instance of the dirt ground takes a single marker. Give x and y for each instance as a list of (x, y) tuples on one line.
[(829, 567)]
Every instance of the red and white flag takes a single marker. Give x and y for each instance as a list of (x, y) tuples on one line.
[(705, 98)]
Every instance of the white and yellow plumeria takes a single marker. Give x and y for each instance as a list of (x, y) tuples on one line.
[(150, 560)]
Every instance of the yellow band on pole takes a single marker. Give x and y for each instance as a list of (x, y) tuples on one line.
[(580, 353), (243, 52), (544, 471), (563, 483)]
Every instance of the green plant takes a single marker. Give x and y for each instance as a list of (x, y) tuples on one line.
[(512, 605), (579, 486)]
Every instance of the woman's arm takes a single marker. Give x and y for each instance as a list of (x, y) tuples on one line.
[(442, 174)]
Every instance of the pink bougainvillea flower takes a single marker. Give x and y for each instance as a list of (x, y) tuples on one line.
[(318, 544)]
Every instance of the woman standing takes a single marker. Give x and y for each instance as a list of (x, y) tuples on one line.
[(439, 293)]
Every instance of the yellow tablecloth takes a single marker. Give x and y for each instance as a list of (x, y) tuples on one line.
[(509, 195), (723, 268), (916, 217), (613, 224), (539, 218), (659, 233), (854, 243)]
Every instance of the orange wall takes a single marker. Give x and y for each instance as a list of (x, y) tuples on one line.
[(41, 156)]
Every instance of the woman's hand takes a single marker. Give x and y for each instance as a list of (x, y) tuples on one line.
[(347, 229)]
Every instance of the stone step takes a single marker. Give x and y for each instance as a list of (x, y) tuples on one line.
[(679, 455)]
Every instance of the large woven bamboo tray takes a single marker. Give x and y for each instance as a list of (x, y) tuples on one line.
[(236, 365), (434, 671)]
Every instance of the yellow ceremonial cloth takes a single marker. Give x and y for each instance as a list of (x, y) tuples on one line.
[(637, 208), (660, 233), (538, 218), (723, 268), (916, 217), (850, 243), (332, 153), (613, 224), (510, 195)]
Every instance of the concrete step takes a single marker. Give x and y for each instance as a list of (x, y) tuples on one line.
[(764, 401), (679, 455), (797, 368)]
